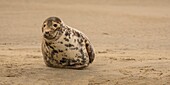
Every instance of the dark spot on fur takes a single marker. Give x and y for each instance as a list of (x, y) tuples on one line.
[(51, 47), (80, 41), (78, 60), (74, 61), (52, 53), (78, 34), (60, 50), (69, 37), (55, 51), (74, 40), (60, 42), (79, 56), (68, 29), (66, 39), (64, 55), (47, 43), (67, 34), (77, 40), (84, 60), (81, 51), (66, 61), (76, 48), (45, 54), (75, 33), (63, 60), (56, 61), (76, 55), (69, 45), (83, 56), (85, 40)]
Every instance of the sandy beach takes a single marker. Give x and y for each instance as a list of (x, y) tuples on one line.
[(131, 39)]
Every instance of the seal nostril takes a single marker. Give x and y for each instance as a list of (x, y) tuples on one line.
[(47, 32)]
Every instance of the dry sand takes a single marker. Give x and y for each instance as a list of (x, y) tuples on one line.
[(131, 38)]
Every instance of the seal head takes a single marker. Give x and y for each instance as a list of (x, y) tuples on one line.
[(52, 28)]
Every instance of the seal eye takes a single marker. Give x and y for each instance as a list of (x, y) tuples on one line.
[(44, 25), (55, 25)]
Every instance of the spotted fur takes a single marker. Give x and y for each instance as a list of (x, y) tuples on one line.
[(66, 47)]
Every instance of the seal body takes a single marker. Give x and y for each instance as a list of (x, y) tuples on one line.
[(64, 46)]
